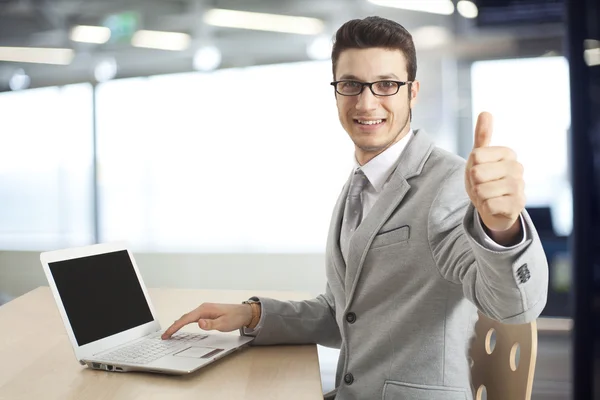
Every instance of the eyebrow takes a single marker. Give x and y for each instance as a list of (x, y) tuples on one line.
[(355, 78)]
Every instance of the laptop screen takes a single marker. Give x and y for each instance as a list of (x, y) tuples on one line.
[(101, 295)]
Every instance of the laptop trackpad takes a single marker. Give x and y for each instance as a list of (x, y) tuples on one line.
[(198, 352)]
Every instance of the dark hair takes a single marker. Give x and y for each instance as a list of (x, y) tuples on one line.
[(375, 32)]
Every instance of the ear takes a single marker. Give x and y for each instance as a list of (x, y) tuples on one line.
[(414, 92)]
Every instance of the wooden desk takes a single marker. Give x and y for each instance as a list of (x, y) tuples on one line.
[(37, 360)]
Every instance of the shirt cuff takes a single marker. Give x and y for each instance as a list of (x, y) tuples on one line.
[(488, 242), (256, 330)]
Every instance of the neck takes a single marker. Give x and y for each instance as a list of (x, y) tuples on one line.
[(364, 156)]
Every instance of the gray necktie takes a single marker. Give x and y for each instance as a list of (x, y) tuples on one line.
[(352, 211)]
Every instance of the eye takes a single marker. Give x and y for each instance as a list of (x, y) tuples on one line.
[(386, 87), (350, 84)]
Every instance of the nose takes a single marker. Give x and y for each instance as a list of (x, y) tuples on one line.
[(366, 100)]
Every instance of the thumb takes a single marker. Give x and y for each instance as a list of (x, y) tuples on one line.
[(208, 324), (483, 130)]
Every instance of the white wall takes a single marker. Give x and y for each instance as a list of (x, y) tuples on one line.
[(21, 272)]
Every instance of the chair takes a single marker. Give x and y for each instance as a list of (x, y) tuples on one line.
[(503, 359)]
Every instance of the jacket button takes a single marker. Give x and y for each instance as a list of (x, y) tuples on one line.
[(523, 273), (351, 317), (348, 378), (523, 269)]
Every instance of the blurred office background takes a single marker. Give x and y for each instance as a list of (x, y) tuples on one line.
[(207, 137)]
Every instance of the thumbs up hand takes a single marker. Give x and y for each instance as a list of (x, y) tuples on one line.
[(494, 183)]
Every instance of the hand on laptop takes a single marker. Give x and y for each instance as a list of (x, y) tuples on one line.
[(210, 316)]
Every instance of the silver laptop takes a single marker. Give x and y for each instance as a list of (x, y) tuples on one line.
[(110, 320)]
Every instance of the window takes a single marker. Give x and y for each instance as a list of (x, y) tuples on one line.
[(239, 160), (530, 101), (46, 197)]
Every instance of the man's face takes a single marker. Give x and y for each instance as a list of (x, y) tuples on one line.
[(374, 122)]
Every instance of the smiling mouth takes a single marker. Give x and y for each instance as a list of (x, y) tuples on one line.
[(372, 122)]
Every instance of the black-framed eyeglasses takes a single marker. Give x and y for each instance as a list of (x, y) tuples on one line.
[(379, 88)]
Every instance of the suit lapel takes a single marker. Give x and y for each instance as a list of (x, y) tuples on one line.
[(389, 199), (409, 164)]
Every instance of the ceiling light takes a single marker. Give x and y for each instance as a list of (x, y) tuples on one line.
[(444, 7), (161, 40), (320, 48), (263, 22), (39, 55), (467, 9), (19, 80), (90, 34), (105, 70), (207, 58)]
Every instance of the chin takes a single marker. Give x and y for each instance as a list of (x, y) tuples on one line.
[(374, 141), (371, 146)]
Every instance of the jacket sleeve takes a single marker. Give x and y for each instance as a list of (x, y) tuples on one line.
[(299, 322), (510, 285)]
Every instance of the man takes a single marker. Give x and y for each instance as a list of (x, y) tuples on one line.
[(418, 241)]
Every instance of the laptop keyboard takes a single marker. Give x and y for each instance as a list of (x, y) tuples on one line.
[(151, 348)]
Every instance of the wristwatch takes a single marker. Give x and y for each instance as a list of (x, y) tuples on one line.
[(255, 305)]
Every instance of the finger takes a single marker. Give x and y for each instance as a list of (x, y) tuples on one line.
[(483, 130), (498, 188), (211, 324), (491, 154), (489, 172), (180, 323), (170, 331), (176, 326)]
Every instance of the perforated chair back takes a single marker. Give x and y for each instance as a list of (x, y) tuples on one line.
[(503, 359)]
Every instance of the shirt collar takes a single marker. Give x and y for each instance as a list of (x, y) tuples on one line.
[(379, 169)]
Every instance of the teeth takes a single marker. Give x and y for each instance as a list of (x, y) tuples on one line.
[(370, 122)]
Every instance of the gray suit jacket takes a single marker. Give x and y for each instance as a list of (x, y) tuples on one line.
[(403, 308)]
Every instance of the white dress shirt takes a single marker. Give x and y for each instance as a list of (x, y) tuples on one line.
[(379, 171)]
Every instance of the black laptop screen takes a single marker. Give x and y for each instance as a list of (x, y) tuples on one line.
[(101, 295)]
